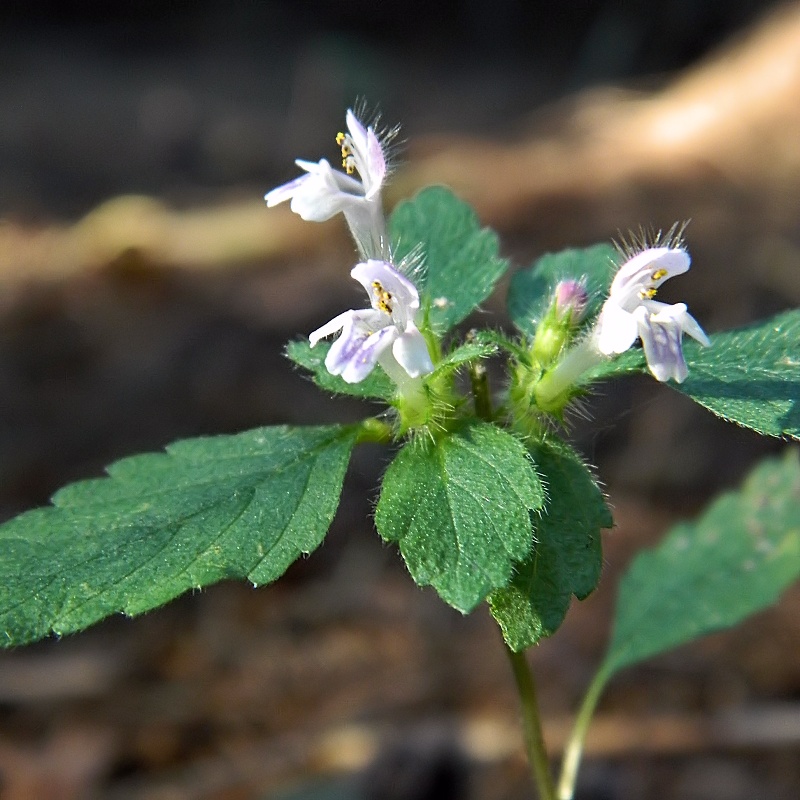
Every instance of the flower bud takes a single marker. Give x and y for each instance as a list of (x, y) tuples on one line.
[(559, 324), (571, 299)]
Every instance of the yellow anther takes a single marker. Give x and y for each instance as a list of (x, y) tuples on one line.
[(348, 162), (382, 297), (659, 274), (648, 294)]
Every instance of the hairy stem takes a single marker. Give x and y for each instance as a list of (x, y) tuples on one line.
[(532, 726)]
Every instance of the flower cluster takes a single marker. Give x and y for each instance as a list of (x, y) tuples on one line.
[(386, 333), (565, 347), (629, 313)]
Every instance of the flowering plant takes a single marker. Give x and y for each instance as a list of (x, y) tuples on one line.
[(485, 498)]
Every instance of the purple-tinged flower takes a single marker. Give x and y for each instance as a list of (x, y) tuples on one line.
[(324, 192), (385, 334), (630, 313)]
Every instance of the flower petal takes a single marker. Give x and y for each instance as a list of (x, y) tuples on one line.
[(336, 179), (616, 329), (284, 192), (362, 359), (405, 298), (411, 351), (368, 155), (320, 194), (329, 328), (375, 165), (663, 347), (691, 326), (645, 272), (358, 132), (350, 355), (679, 315)]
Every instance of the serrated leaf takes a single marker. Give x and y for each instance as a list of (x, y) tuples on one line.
[(207, 509), (502, 342), (531, 290), (460, 511), (464, 354), (710, 574), (377, 385), (461, 259), (750, 376), (631, 362), (567, 552)]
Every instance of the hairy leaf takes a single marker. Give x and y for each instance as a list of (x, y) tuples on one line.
[(207, 509), (460, 511), (710, 574), (377, 385), (460, 260), (750, 376), (567, 553), (464, 354)]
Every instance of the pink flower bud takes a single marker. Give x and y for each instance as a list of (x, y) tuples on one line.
[(571, 299)]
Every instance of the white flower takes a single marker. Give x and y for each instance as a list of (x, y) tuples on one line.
[(323, 191), (384, 334), (630, 312)]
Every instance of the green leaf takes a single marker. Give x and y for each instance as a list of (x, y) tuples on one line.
[(377, 385), (531, 290), (631, 362), (750, 376), (708, 575), (207, 509), (567, 552), (461, 263), (460, 511), (464, 354), (502, 342)]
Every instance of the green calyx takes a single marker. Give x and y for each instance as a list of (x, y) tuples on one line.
[(553, 334)]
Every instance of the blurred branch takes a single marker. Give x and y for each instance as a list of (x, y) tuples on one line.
[(199, 238), (733, 118), (724, 133)]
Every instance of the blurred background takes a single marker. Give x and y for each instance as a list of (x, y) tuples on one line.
[(146, 294)]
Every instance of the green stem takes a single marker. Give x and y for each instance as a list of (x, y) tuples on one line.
[(532, 726), (480, 391), (574, 749)]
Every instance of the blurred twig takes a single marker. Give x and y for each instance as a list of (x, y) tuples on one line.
[(200, 238), (725, 133)]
